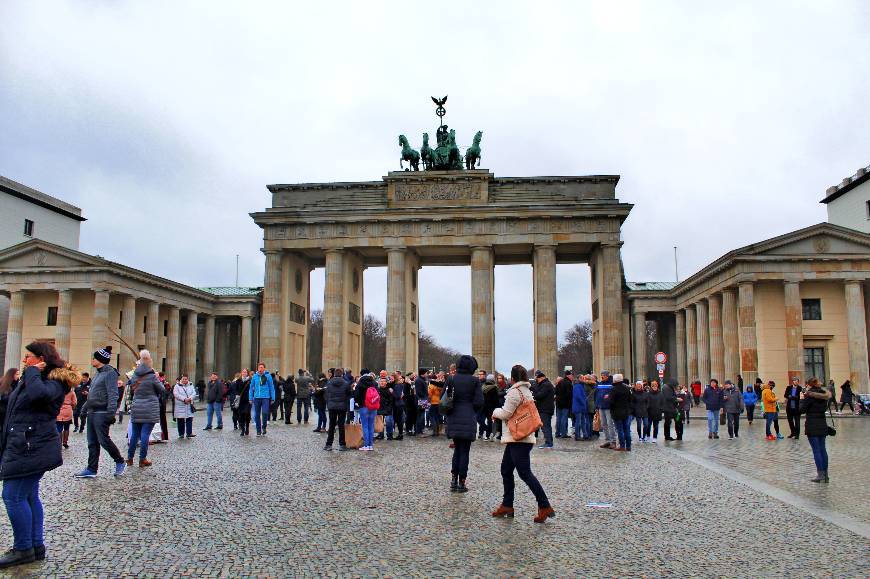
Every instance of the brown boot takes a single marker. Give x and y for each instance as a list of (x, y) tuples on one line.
[(503, 511), (544, 514), (144, 462), (66, 438), (129, 462)]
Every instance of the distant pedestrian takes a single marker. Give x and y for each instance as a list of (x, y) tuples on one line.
[(421, 392), (145, 410), (602, 404), (713, 402), (640, 410), (215, 393), (65, 416), (304, 389), (814, 403), (792, 407), (462, 421), (696, 392), (81, 397), (684, 405), (545, 395), (338, 395), (262, 394), (582, 424), (288, 389), (620, 410), (183, 393), (654, 411), (732, 402), (749, 401), (669, 406), (100, 410), (319, 397), (771, 411), (846, 396), (564, 398), (385, 391), (368, 389)]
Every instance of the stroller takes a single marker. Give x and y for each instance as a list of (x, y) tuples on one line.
[(863, 402)]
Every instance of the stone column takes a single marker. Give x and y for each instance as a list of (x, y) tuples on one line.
[(794, 332), (729, 333), (172, 349), (64, 322), (270, 324), (99, 334), (703, 323), (333, 312), (680, 359), (190, 346), (746, 335), (482, 307), (208, 365), (396, 310), (545, 314), (128, 332), (610, 308), (152, 330), (859, 372), (639, 346), (14, 329), (717, 347), (691, 344), (245, 347)]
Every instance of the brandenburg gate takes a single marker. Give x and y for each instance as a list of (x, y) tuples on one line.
[(459, 216)]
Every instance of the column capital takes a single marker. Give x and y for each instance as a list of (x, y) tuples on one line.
[(546, 245), (851, 282), (333, 250), (400, 248), (729, 290), (271, 251)]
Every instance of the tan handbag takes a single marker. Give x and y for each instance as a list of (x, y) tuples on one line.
[(353, 435), (525, 420), (379, 423), (596, 422)]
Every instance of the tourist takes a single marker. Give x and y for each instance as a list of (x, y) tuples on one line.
[(304, 388), (564, 399), (29, 447), (368, 389), (517, 452), (750, 399), (319, 397), (684, 399), (502, 386), (65, 416), (713, 402), (545, 393), (215, 401), (669, 406), (602, 405), (792, 407), (578, 409), (490, 403), (832, 390), (814, 403), (399, 387), (232, 394), (467, 394), (262, 394), (846, 396), (145, 410), (183, 393), (620, 410), (122, 402), (411, 406), (338, 394), (243, 403), (436, 390), (655, 407), (421, 390), (7, 385), (288, 399), (100, 409), (696, 392), (590, 385), (81, 397), (200, 389), (640, 410), (732, 403), (385, 410), (277, 402), (771, 411)]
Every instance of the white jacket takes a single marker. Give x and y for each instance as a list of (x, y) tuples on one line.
[(513, 399), (180, 392)]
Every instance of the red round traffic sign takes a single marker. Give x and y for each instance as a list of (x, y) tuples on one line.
[(661, 358)]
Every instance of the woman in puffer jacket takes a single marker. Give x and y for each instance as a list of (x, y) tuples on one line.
[(145, 411)]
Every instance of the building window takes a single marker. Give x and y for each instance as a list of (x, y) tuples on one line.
[(120, 319), (28, 228), (165, 328), (413, 312), (814, 364), (145, 325), (354, 313), (163, 366), (51, 319), (297, 313), (812, 309), (867, 206)]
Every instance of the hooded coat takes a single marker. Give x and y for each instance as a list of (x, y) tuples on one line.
[(640, 403), (620, 402), (29, 443), (467, 400), (146, 397)]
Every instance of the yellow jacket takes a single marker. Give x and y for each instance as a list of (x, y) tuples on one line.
[(435, 393), (768, 398)]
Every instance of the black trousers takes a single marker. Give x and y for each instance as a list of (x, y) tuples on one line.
[(244, 417), (411, 419), (461, 456), (794, 421), (287, 410), (668, 419), (336, 418), (98, 436), (399, 419), (680, 423), (516, 457)]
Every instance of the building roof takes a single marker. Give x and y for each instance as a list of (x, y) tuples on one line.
[(232, 291), (861, 175), (26, 193), (650, 286)]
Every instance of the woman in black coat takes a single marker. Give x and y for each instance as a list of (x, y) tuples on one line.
[(814, 403), (654, 411), (462, 423), (30, 446), (639, 409)]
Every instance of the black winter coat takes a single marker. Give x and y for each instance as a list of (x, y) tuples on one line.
[(243, 391), (814, 408), (544, 394), (654, 404), (669, 401), (639, 403), (337, 394), (289, 389), (29, 443), (620, 401), (467, 400), (564, 393), (387, 401)]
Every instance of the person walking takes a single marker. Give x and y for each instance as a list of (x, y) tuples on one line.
[(517, 452), (467, 395), (338, 395), (65, 416), (233, 393), (771, 411), (750, 399), (545, 394), (602, 404), (813, 404), (713, 402), (277, 402), (304, 388), (262, 394), (30, 447), (183, 393), (564, 399), (696, 392), (145, 410), (846, 396), (792, 407), (243, 404), (620, 410), (214, 397), (832, 390), (81, 397), (100, 410), (732, 402), (640, 410)]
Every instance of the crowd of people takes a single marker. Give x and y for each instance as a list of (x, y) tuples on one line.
[(39, 404)]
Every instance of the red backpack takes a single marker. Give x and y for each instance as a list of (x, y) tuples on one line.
[(373, 398)]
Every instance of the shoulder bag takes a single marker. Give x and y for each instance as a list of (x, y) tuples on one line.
[(525, 419), (445, 406), (831, 430)]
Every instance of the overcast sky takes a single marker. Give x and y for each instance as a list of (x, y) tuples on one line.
[(164, 121)]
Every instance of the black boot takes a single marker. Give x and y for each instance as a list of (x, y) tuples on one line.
[(462, 488), (454, 485), (39, 552), (15, 557)]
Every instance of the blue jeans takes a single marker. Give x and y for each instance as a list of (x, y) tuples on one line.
[(434, 417), (820, 454), (421, 420), (300, 404), (141, 434), (623, 431), (547, 419), (713, 421), (21, 497), (261, 414), (583, 425), (642, 426), (322, 414), (212, 408), (389, 424), (771, 418), (367, 418), (562, 422)]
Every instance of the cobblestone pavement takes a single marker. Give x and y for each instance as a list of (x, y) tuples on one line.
[(221, 505)]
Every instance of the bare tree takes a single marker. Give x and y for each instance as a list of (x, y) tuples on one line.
[(576, 348), (374, 343), (315, 342)]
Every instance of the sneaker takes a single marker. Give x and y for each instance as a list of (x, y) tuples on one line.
[(342, 448), (715, 436), (207, 428), (654, 440), (779, 437), (327, 447), (220, 427), (546, 446), (191, 436), (87, 473), (770, 437), (119, 468)]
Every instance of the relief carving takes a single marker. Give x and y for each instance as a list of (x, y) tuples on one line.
[(437, 191)]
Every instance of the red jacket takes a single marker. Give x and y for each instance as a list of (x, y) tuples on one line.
[(696, 389)]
